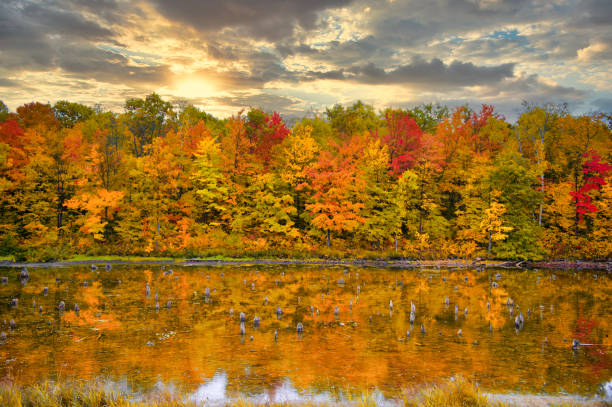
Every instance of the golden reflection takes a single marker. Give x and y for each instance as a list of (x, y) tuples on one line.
[(119, 333)]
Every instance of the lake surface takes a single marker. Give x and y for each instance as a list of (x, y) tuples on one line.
[(191, 341)]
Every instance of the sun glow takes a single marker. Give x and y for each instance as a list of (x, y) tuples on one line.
[(194, 88)]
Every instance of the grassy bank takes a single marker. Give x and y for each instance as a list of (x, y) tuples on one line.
[(347, 261), (451, 393)]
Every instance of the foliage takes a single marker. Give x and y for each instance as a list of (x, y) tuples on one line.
[(69, 113), (426, 182)]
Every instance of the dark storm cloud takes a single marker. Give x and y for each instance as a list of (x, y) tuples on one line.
[(22, 43), (221, 53), (257, 69), (97, 6), (55, 34), (433, 74), (264, 101), (30, 33), (65, 23), (270, 19), (341, 53), (416, 21), (85, 61), (532, 87), (300, 49), (593, 12)]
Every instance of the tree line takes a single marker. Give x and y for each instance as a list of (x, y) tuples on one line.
[(427, 182)]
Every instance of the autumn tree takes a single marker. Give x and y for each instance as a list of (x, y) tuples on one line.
[(70, 113), (4, 112), (212, 190), (265, 131), (595, 173), (336, 182), (514, 177), (146, 119), (268, 216), (428, 116), (356, 119), (295, 162), (403, 140), (381, 220), (538, 128)]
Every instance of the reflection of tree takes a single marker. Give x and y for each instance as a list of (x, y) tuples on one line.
[(196, 338)]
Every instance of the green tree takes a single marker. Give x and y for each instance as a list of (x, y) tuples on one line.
[(429, 115), (4, 112), (147, 119), (70, 113), (356, 119), (513, 176)]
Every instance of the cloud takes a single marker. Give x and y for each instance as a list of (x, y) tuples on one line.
[(31, 32), (529, 87), (242, 51), (64, 23), (265, 101), (423, 74), (603, 104), (343, 53), (267, 19), (89, 62), (8, 83), (593, 12), (595, 51)]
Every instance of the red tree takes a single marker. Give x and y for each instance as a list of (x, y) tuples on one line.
[(595, 174), (403, 140)]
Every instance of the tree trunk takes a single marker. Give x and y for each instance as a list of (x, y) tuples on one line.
[(421, 210), (542, 200), (576, 215), (157, 238), (489, 230), (328, 239), (542, 138)]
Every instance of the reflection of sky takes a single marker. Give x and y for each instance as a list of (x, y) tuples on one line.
[(607, 389), (214, 392)]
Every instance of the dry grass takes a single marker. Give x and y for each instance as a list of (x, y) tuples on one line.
[(456, 392), (51, 394)]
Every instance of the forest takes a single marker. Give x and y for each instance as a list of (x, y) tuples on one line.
[(168, 179)]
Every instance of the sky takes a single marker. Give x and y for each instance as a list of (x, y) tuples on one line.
[(298, 57)]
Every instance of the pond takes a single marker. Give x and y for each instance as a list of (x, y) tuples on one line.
[(179, 331)]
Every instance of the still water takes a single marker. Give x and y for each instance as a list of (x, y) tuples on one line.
[(180, 332)]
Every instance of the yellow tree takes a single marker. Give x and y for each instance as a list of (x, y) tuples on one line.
[(98, 208), (267, 219), (380, 212), (492, 226), (211, 189), (294, 164)]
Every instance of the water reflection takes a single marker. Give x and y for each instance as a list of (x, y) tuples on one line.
[(213, 391), (362, 329)]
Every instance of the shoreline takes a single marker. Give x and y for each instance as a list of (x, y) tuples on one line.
[(452, 392), (399, 264)]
